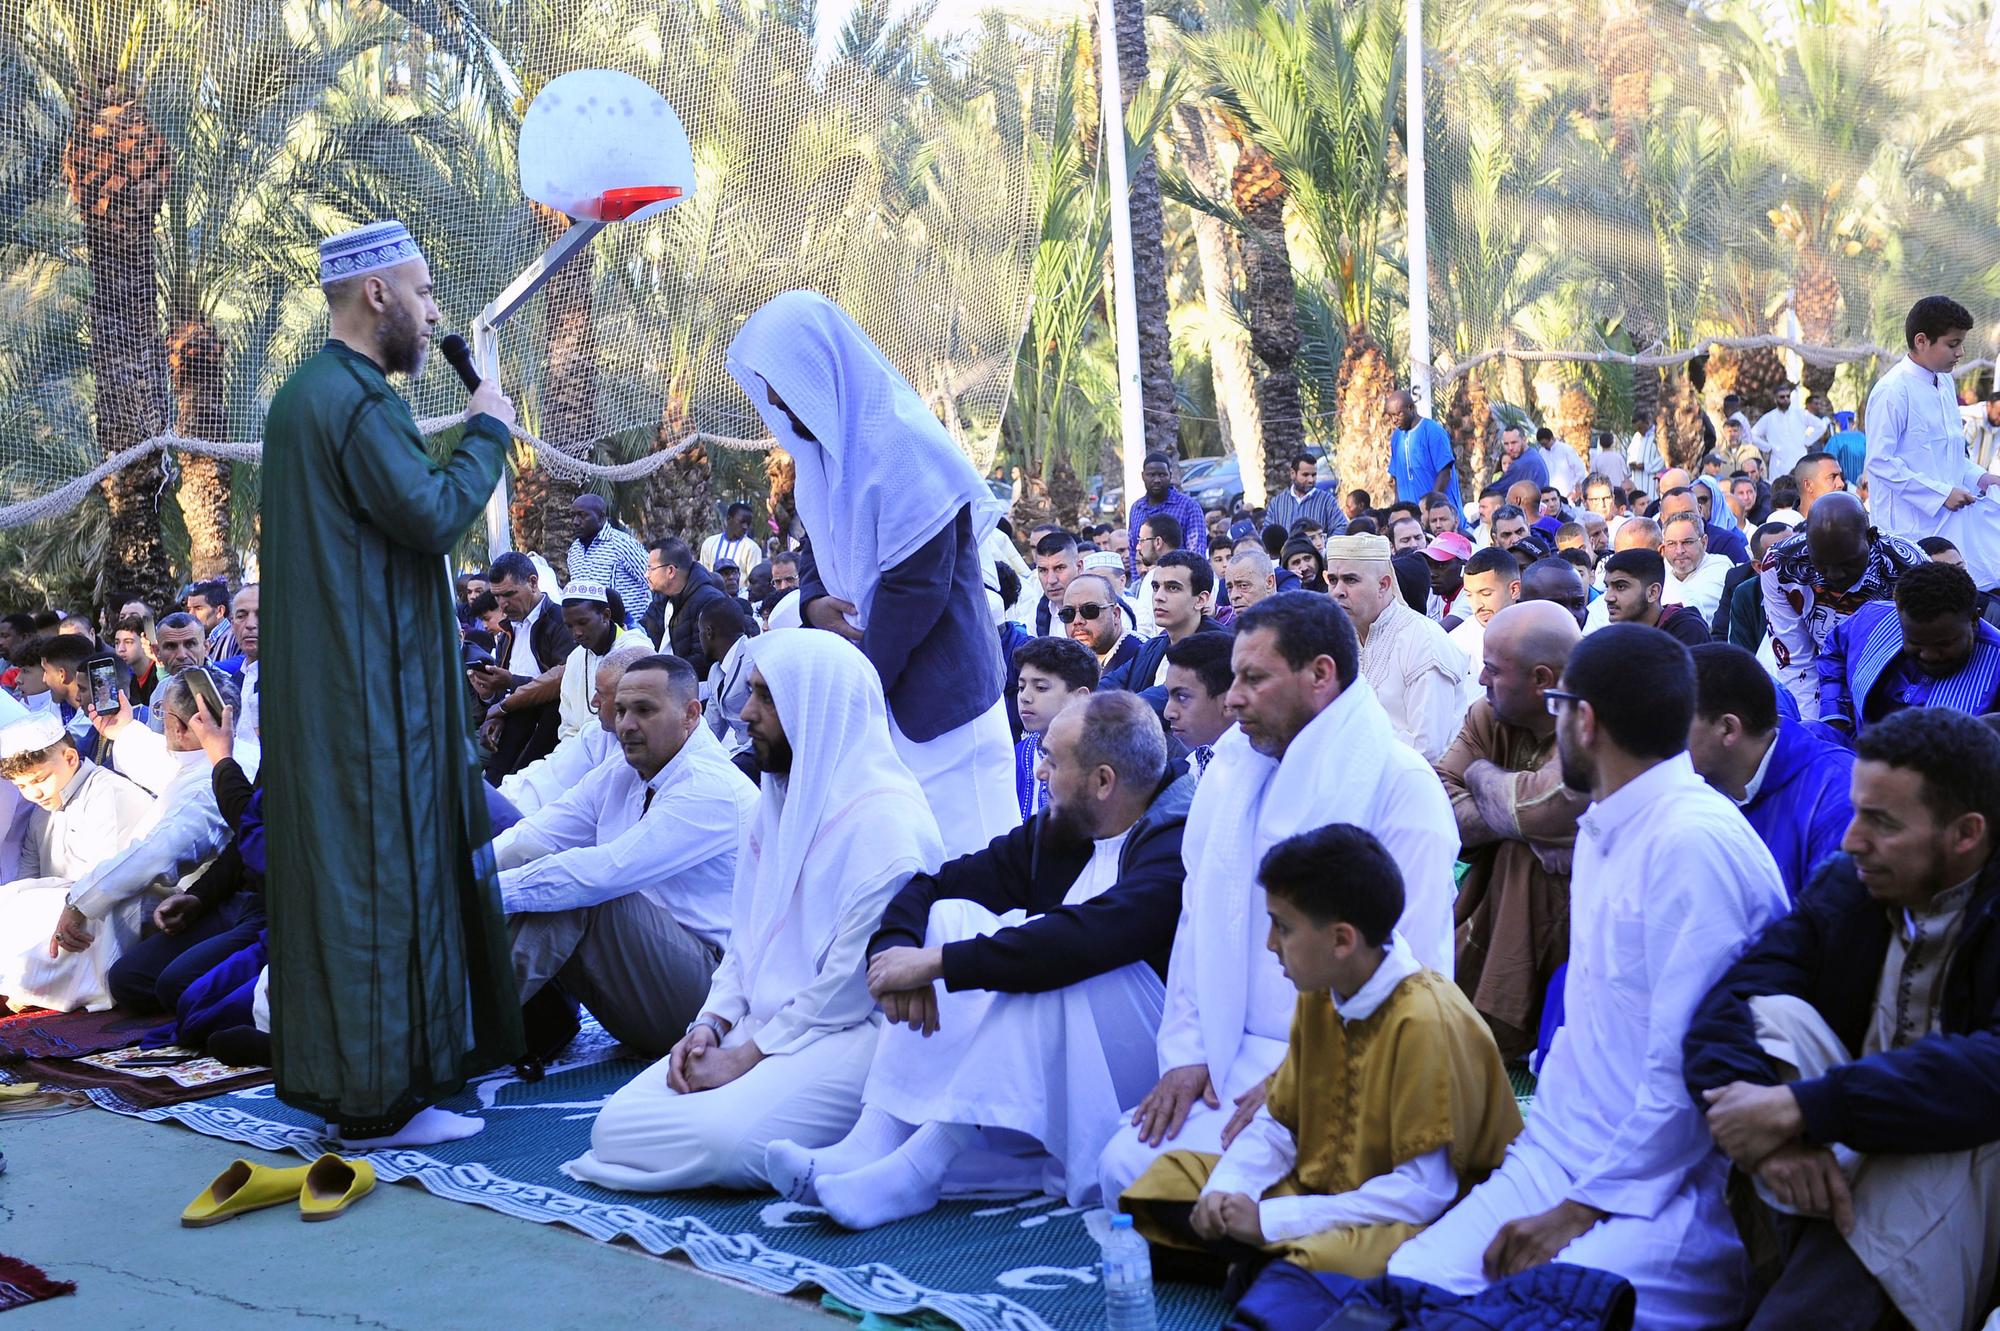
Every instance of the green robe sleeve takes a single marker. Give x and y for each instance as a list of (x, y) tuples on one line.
[(406, 497)]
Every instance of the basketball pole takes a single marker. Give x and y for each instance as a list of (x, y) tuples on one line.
[(1419, 242), (1124, 301), (486, 349)]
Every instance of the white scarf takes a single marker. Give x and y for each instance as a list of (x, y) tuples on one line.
[(848, 812), (1330, 773), (881, 477)]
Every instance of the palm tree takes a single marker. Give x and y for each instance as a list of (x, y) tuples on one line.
[(1315, 84), (1149, 256), (1238, 415), (101, 56)]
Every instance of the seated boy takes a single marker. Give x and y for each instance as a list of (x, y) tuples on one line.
[(1054, 672), (1391, 1103)]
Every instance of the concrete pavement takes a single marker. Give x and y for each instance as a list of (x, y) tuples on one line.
[(96, 1198)]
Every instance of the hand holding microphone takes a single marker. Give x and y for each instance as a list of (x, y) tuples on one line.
[(487, 399)]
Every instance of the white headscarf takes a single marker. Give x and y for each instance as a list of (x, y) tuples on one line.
[(848, 813), (881, 476)]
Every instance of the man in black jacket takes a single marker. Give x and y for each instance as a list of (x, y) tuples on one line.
[(678, 581), (524, 716), (1850, 1060), (1051, 944)]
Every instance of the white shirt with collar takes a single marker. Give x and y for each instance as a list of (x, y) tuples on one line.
[(1415, 1192), (605, 839), (1788, 435), (521, 654)]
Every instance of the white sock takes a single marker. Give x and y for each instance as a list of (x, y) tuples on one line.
[(427, 1128), (793, 1170), (903, 1185)]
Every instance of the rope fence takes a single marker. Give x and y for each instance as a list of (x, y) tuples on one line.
[(550, 456), (560, 461)]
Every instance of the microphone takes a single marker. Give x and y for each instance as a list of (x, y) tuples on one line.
[(460, 355)]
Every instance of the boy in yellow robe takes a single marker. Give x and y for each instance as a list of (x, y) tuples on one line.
[(1391, 1103)]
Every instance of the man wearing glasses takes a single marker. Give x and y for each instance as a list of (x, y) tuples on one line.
[(1616, 1169), (1090, 614)]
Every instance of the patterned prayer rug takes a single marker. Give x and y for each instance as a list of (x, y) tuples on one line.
[(22, 1284), (38, 1033), (1009, 1265)]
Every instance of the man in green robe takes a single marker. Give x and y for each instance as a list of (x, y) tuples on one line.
[(391, 979)]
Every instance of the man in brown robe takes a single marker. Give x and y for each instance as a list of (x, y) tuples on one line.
[(1517, 823)]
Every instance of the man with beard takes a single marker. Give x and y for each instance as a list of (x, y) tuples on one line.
[(783, 1041), (1311, 746), (391, 982), (1929, 648), (1616, 1169), (1051, 944)]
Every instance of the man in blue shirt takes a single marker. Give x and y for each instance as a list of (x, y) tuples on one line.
[(1519, 462), (1163, 496), (1421, 459)]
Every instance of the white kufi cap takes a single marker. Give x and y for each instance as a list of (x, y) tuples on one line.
[(366, 249)]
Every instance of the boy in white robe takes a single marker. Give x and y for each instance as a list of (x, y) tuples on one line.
[(1311, 746), (783, 1041), (1616, 1169), (51, 954), (1050, 943), (1920, 482)]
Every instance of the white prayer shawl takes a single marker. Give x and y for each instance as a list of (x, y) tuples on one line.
[(1916, 457), (848, 816), (881, 477), (1346, 766)]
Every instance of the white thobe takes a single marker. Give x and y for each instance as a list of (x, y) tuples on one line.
[(1982, 436), (1565, 468), (1644, 458), (606, 839), (1916, 457), (100, 816), (1702, 589), (1415, 1192), (579, 682), (1470, 638), (1419, 676), (817, 1047), (1345, 766), (1786, 436), (546, 779), (1669, 884), (1054, 1066), (967, 774)]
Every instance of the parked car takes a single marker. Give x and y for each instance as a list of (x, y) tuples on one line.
[(1219, 487)]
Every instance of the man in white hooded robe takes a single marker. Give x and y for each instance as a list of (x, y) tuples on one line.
[(784, 1040), (895, 519)]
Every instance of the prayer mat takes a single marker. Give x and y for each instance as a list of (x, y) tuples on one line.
[(39, 1033), (22, 1284), (148, 1085), (1024, 1264)]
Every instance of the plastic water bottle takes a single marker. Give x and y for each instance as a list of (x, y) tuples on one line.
[(1128, 1278)]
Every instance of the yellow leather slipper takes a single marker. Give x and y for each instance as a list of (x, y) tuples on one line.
[(332, 1185), (241, 1188)]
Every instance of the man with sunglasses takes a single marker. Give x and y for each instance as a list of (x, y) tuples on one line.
[(1090, 613)]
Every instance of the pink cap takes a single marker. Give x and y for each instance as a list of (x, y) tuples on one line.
[(1449, 545)]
